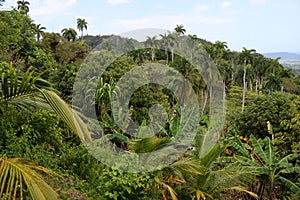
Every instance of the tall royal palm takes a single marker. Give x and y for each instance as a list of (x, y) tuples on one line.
[(81, 24), (179, 29), (152, 43), (39, 30), (219, 48), (23, 6), (165, 43), (69, 33), (246, 55), (172, 42)]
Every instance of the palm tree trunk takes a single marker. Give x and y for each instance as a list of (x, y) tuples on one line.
[(232, 67), (224, 98), (261, 82), (152, 54), (244, 83), (256, 85), (210, 99), (204, 102), (167, 54), (172, 54)]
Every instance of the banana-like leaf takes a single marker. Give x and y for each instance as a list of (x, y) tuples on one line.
[(16, 171), (239, 146), (292, 186), (148, 144), (291, 170), (258, 149)]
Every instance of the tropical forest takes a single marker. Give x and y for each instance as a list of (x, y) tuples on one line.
[(245, 122)]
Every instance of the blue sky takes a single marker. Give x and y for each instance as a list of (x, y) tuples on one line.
[(265, 25)]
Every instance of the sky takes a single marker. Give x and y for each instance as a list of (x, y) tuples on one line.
[(264, 25)]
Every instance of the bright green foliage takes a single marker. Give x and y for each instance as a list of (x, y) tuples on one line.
[(273, 171), (287, 141), (26, 91), (16, 42), (114, 184), (274, 108)]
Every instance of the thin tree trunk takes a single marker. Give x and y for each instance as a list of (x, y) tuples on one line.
[(152, 54), (172, 54), (256, 85), (244, 88), (167, 54), (224, 98), (232, 67), (261, 82), (210, 99), (204, 102)]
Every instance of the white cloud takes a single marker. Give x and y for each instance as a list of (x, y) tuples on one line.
[(232, 12), (168, 21), (50, 7), (258, 1), (225, 4), (201, 7), (114, 2)]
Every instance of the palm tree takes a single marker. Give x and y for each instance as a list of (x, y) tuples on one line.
[(275, 66), (39, 31), (152, 43), (23, 6), (212, 181), (165, 43), (220, 49), (26, 91), (172, 42), (69, 33), (273, 82), (246, 55), (81, 24), (179, 29)]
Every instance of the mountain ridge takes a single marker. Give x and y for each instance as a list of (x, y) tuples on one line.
[(283, 55)]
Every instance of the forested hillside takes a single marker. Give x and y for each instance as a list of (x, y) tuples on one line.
[(42, 154)]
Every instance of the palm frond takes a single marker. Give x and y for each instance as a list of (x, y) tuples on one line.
[(16, 171), (190, 165), (68, 115), (242, 189), (170, 190), (212, 155)]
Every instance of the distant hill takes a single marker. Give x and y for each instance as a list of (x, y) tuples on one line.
[(289, 60), (284, 56)]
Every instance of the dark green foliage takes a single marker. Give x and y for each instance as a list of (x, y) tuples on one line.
[(41, 137), (274, 108)]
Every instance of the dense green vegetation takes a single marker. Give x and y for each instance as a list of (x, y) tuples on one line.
[(41, 153)]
